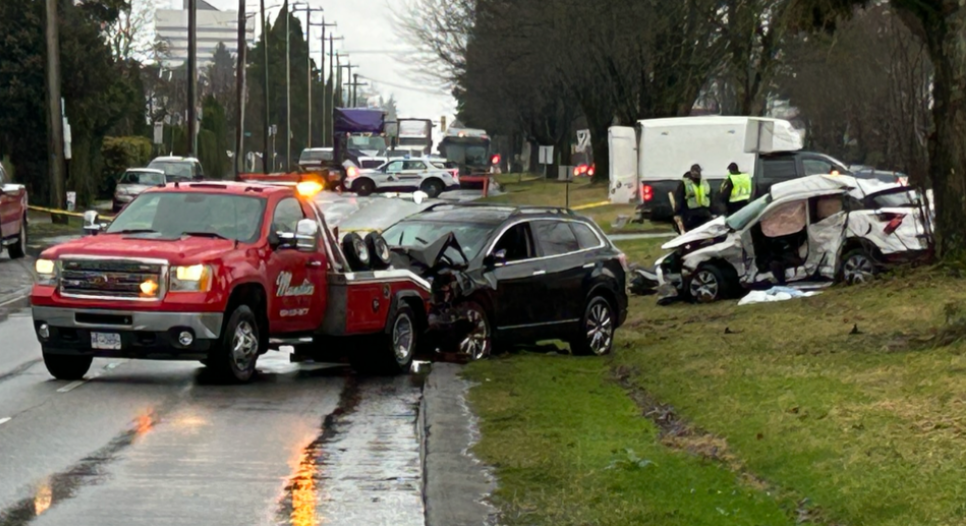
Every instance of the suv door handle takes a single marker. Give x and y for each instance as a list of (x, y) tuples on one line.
[(539, 272), (314, 263)]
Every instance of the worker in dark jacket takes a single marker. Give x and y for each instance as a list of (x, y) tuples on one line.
[(735, 191), (692, 199)]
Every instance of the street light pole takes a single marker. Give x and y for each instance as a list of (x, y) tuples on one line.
[(288, 91), (240, 92), (192, 77), (265, 79)]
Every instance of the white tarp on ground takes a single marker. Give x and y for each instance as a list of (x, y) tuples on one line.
[(774, 294), (622, 145)]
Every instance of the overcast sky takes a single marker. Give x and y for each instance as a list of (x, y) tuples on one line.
[(371, 42)]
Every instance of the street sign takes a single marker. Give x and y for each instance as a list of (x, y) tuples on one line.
[(158, 133), (67, 140), (546, 155), (71, 201), (272, 130), (583, 140)]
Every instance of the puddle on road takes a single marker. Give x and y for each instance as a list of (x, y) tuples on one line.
[(364, 467), (88, 472)]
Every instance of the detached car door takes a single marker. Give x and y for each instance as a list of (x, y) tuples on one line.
[(297, 298)]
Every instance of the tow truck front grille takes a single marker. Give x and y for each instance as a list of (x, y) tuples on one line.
[(111, 278)]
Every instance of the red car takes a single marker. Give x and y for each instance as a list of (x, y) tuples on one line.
[(222, 273), (13, 216)]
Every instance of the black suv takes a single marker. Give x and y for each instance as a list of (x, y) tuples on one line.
[(539, 273)]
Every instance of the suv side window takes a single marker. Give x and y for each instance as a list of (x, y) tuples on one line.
[(586, 237), (395, 166), (287, 215), (414, 165), (556, 237), (817, 166), (517, 242)]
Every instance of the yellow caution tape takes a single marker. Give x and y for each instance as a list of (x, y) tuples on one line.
[(591, 205), (61, 212)]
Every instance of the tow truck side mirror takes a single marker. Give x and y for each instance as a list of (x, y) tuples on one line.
[(305, 238)]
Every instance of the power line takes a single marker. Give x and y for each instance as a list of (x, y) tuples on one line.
[(404, 87)]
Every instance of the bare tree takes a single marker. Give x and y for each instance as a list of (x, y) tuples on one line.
[(131, 36), (439, 30)]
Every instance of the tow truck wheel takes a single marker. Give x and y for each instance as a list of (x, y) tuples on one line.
[(67, 367), (393, 353), (233, 359), (19, 249)]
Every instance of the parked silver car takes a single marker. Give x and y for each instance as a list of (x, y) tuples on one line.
[(134, 181)]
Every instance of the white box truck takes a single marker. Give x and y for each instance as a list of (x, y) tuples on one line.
[(647, 161)]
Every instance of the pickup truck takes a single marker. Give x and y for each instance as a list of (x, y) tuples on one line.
[(770, 168), (13, 216), (221, 273)]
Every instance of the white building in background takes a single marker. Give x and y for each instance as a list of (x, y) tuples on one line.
[(214, 26)]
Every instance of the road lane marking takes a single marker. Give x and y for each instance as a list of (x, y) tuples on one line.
[(77, 383), (5, 420)]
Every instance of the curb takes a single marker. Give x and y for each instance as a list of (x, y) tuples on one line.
[(456, 485)]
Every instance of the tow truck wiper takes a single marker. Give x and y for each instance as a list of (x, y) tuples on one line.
[(204, 234), (136, 231)]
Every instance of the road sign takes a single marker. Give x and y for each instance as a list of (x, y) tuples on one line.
[(272, 130), (583, 140), (546, 155), (71, 201), (159, 133)]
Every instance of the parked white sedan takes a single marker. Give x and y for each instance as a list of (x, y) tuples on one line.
[(402, 175)]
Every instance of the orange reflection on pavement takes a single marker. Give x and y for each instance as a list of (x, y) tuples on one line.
[(43, 498), (143, 424), (304, 492)]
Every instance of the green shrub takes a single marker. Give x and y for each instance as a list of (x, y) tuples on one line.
[(119, 154)]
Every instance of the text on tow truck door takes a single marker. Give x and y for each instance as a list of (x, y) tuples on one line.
[(297, 292)]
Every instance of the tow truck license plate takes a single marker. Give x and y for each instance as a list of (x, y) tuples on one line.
[(106, 341)]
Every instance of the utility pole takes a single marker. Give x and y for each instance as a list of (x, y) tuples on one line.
[(240, 89), (332, 61), (192, 77), (348, 84), (288, 91), (308, 65), (54, 106), (265, 157), (323, 25), (355, 89)]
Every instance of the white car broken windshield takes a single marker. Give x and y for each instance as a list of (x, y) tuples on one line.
[(741, 218)]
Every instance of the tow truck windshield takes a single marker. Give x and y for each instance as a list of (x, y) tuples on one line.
[(172, 215)]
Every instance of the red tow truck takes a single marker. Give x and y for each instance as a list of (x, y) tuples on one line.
[(222, 272)]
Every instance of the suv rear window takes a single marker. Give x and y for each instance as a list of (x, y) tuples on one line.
[(555, 237), (903, 199), (586, 237)]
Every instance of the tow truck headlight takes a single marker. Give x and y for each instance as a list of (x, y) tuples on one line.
[(46, 272), (193, 278)]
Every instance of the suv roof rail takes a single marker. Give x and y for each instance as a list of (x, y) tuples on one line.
[(514, 209)]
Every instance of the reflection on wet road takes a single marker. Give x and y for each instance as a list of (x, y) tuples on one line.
[(157, 443)]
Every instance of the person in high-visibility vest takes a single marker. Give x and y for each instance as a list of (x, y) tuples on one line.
[(736, 190), (693, 199)]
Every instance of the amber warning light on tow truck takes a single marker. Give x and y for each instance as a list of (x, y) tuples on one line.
[(308, 188)]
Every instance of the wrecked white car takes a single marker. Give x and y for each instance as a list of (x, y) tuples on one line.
[(818, 228)]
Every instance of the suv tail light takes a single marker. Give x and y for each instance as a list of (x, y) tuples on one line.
[(591, 170), (647, 192), (894, 221)]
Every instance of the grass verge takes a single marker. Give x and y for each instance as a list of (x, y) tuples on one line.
[(571, 448), (849, 407)]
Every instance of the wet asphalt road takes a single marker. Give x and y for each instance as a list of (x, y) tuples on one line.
[(156, 443)]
